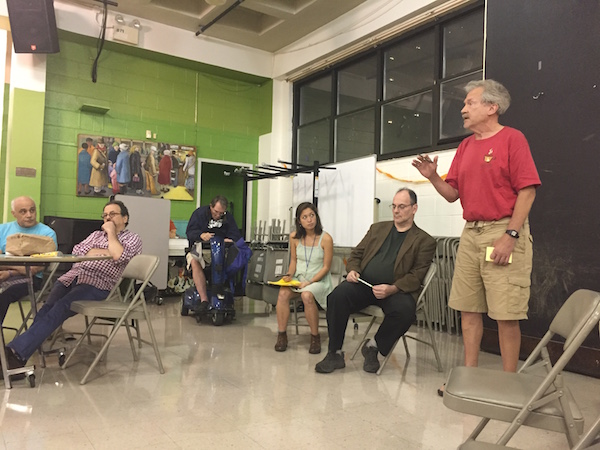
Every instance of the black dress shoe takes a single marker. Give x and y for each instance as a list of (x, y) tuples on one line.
[(14, 361), (441, 390)]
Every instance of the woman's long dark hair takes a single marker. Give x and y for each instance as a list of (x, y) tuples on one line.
[(300, 231)]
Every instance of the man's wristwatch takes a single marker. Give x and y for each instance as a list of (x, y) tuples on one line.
[(513, 233)]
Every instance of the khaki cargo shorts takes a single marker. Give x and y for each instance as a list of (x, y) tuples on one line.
[(483, 287)]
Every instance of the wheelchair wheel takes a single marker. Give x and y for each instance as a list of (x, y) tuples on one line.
[(218, 319), (184, 310), (61, 359)]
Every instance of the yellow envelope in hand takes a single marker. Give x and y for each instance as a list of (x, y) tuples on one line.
[(282, 282), (488, 254)]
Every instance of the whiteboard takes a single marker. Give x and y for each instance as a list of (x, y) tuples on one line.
[(345, 198), (149, 218)]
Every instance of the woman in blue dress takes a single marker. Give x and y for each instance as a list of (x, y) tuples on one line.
[(311, 252)]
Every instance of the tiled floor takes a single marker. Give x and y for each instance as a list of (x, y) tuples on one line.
[(225, 387)]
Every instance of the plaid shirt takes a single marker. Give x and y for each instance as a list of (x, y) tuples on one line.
[(102, 274)]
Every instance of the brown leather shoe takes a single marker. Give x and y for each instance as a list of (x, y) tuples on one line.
[(315, 344), (281, 344)]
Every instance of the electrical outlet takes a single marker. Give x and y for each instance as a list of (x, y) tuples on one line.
[(154, 136), (149, 134)]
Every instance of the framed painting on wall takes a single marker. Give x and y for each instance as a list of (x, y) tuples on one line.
[(111, 165)]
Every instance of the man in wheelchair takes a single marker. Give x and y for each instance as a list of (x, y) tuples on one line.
[(205, 223)]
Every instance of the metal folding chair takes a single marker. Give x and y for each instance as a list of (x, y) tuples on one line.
[(422, 314)]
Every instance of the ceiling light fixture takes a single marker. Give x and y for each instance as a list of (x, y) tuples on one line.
[(119, 19), (136, 24), (216, 2)]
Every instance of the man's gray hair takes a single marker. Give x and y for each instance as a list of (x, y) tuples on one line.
[(12, 202), (493, 93)]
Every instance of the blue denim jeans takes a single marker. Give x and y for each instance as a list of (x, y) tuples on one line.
[(15, 293), (55, 311)]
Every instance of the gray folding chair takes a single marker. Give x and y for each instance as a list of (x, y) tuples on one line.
[(256, 273), (422, 314), (120, 309), (528, 397), (276, 265)]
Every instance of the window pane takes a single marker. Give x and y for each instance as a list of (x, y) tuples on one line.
[(355, 135), (406, 124), (315, 100), (409, 66), (463, 44), (313, 143), (451, 103), (357, 85)]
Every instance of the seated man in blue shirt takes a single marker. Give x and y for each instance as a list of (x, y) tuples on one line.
[(13, 282), (206, 222)]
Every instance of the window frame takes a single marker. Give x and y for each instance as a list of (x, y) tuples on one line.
[(438, 143)]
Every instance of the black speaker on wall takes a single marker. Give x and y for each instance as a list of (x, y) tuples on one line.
[(33, 26)]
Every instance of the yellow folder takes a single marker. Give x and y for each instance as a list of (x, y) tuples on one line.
[(281, 282)]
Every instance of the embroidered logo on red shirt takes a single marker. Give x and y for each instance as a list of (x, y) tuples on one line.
[(490, 156)]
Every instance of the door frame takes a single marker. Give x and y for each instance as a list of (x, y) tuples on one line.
[(248, 212)]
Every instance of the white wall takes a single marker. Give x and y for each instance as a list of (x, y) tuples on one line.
[(435, 215)]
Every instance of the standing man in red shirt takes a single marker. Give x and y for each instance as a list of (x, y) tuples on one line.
[(494, 176)]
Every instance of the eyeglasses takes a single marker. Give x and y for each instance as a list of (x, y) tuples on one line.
[(219, 213), (110, 214), (401, 207)]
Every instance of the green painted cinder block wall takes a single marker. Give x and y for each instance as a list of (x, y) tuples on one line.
[(179, 101)]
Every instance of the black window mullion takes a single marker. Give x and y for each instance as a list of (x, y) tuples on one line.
[(379, 98), (334, 110), (295, 123), (436, 96)]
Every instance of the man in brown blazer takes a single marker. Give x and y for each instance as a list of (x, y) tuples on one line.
[(386, 269)]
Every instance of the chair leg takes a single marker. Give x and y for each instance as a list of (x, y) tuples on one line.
[(364, 338), (588, 438), (478, 429), (79, 341), (385, 360), (161, 369), (295, 303), (90, 334), (406, 347), (131, 343), (136, 325), (433, 343), (103, 350)]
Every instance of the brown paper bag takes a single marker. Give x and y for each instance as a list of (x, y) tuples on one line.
[(21, 244)]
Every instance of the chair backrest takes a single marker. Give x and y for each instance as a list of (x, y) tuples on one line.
[(574, 313), (276, 264), (256, 266), (140, 267), (337, 270), (427, 281)]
